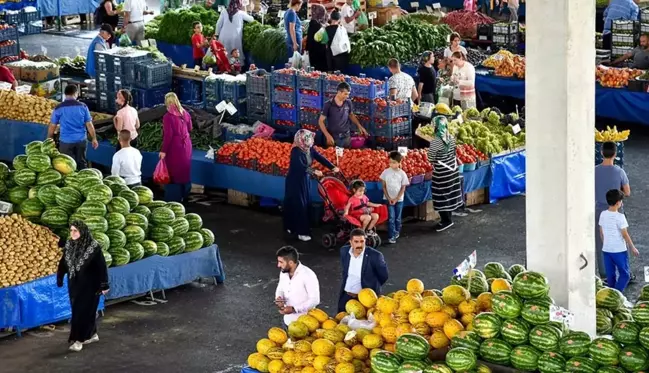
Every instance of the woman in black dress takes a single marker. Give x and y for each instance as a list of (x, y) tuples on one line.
[(317, 51), (427, 78), (84, 263), (107, 13), (339, 62)]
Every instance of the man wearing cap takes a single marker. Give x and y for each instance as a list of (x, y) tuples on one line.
[(99, 43)]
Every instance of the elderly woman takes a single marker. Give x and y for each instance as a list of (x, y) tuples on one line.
[(177, 149), (317, 51), (293, 27), (83, 262), (446, 186), (296, 190), (229, 27)]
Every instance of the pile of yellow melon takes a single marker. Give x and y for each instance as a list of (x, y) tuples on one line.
[(318, 343)]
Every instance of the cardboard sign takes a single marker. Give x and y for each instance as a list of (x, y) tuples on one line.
[(414, 5), (403, 150), (516, 129), (6, 207), (222, 106), (339, 151), (230, 108), (437, 6), (467, 265), (280, 14), (562, 315), (429, 9), (371, 15)]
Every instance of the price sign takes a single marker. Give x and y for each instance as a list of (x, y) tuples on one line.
[(245, 3), (516, 129), (429, 9), (222, 106), (646, 274), (144, 43), (562, 315), (339, 151), (403, 150), (371, 15), (6, 207), (230, 108), (263, 9), (5, 86), (467, 265), (280, 14), (460, 119), (437, 6), (221, 8), (414, 5)]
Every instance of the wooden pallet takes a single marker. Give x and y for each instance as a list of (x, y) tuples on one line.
[(194, 74), (238, 198)]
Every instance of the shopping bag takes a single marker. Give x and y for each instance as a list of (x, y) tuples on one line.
[(296, 60), (321, 36), (362, 20), (264, 131), (124, 40), (306, 62), (161, 174), (340, 44)]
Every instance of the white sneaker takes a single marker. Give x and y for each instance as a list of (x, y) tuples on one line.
[(93, 339), (304, 238), (76, 346)]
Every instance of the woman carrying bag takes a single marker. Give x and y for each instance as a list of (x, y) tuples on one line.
[(317, 51), (338, 45)]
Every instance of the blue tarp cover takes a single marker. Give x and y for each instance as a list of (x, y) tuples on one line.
[(10, 5), (50, 8), (508, 176)]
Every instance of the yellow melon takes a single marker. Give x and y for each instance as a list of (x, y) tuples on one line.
[(340, 316), (331, 366), (343, 328), (408, 302), (343, 355), (427, 293), (386, 320), (387, 305), (253, 359), (340, 345), (452, 327), (303, 346), (367, 297), (400, 317), (334, 335), (437, 319), (320, 362), (295, 369), (439, 340), (360, 352), (346, 367), (262, 364), (323, 347), (467, 306), (298, 330), (319, 315), (431, 303), (275, 353), (377, 330), (399, 294), (389, 334), (481, 368), (372, 341), (307, 358), (319, 333), (500, 284), (450, 311), (374, 351), (415, 286), (277, 335), (455, 294), (289, 357), (404, 329), (329, 324), (358, 365), (311, 322), (389, 347), (417, 316), (356, 308), (265, 344), (422, 328), (484, 302), (361, 332), (352, 338), (308, 369), (275, 366)]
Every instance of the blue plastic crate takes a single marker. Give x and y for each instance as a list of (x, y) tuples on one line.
[(391, 112), (258, 82), (308, 117), (286, 80), (9, 50), (254, 116), (10, 33), (363, 108), (151, 74), (312, 84), (189, 91), (365, 121), (232, 91), (231, 136), (102, 64), (148, 98), (391, 129), (284, 128), (109, 83), (388, 143), (284, 97), (30, 16), (330, 87), (32, 29), (212, 90), (119, 63), (371, 91), (106, 102), (313, 102), (258, 103), (284, 114), (12, 19)]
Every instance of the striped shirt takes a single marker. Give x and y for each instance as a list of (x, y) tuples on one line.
[(612, 223), (625, 10), (446, 186)]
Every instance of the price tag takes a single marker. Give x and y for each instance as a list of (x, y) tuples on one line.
[(414, 5), (646, 274), (221, 106), (6, 207), (339, 151), (403, 150), (263, 9), (230, 108), (516, 129), (467, 265), (562, 315), (5, 86), (460, 119), (371, 15), (429, 9), (24, 89), (144, 43), (280, 14), (437, 6), (221, 8)]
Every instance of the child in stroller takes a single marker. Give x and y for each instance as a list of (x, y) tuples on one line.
[(360, 207)]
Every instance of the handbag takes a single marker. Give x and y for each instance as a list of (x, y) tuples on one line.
[(340, 44)]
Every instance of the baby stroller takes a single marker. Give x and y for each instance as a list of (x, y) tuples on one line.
[(335, 193)]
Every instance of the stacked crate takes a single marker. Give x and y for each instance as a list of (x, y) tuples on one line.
[(391, 124), (234, 92), (152, 81), (624, 37), (310, 98), (189, 91), (258, 96), (31, 23), (644, 21), (284, 100), (505, 34), (9, 46), (362, 97)]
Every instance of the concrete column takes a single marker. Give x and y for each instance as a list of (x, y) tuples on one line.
[(560, 113)]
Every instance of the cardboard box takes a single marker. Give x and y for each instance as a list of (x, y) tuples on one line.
[(45, 89), (385, 15), (42, 72), (477, 197), (238, 198), (15, 69), (426, 212)]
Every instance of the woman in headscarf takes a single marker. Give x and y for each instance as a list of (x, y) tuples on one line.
[(229, 27), (446, 186), (84, 263), (177, 149), (427, 78), (296, 190), (317, 51)]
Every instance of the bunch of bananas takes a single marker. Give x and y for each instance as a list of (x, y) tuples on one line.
[(611, 134)]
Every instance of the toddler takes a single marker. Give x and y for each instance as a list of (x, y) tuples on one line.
[(360, 207), (394, 181), (235, 61)]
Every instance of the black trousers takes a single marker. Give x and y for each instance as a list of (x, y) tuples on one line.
[(446, 217), (77, 151)]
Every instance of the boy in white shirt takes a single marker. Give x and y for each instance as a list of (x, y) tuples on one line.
[(127, 162), (616, 240), (394, 181)]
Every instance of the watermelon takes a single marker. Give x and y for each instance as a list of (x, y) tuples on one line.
[(460, 359), (72, 180), (96, 224), (17, 195), (487, 325), (120, 205), (644, 293), (494, 270), (88, 184), (385, 362), (530, 285), (604, 312), (468, 339), (33, 147), (120, 256), (495, 351), (598, 284), (117, 239), (162, 215), (626, 332), (412, 366), (604, 351), (145, 195), (193, 241), (634, 358), (551, 362), (161, 233), (580, 364), (49, 177), (4, 171), (545, 338), (408, 346), (92, 208), (64, 164), (604, 324), (515, 270), (107, 258), (63, 233), (32, 208), (115, 179), (92, 173), (131, 197), (536, 312), (25, 177), (3, 189), (150, 248), (115, 220), (177, 208), (610, 370), (176, 246), (180, 226), (156, 205), (163, 249), (55, 217), (195, 221), (48, 147), (117, 188), (643, 337), (609, 298), (515, 332), (33, 191), (76, 217), (208, 237), (640, 311), (134, 233), (20, 162), (141, 209), (68, 197), (101, 193), (574, 344), (438, 368), (524, 358), (478, 284), (102, 239), (506, 305), (9, 181), (137, 219), (38, 162), (136, 250)]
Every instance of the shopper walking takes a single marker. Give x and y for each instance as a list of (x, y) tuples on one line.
[(362, 267), (126, 117), (75, 125), (177, 149), (293, 27), (298, 290), (296, 190), (83, 262), (340, 61), (229, 27), (317, 51), (446, 186), (427, 78)]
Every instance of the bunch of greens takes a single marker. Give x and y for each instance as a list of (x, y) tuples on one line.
[(403, 39), (152, 27), (251, 32), (150, 138), (270, 47), (175, 26)]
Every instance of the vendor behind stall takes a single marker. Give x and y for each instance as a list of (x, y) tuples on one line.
[(8, 77), (99, 43), (640, 54), (338, 113)]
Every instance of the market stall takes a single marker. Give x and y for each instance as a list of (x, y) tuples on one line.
[(60, 8)]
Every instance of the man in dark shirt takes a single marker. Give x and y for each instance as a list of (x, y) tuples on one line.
[(427, 78), (338, 113), (640, 54)]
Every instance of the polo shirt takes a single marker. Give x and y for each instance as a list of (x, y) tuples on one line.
[(72, 116)]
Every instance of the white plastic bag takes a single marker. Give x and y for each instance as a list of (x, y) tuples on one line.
[(296, 60), (355, 324), (306, 62), (340, 44)]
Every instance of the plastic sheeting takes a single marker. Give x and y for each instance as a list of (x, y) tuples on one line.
[(10, 5), (179, 54), (508, 176), (50, 8), (15, 135), (478, 179)]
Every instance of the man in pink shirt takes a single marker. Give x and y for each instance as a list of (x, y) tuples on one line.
[(298, 290)]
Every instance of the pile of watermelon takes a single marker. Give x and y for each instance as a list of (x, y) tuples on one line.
[(45, 187)]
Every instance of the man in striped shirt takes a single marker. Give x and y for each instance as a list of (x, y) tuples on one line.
[(618, 10)]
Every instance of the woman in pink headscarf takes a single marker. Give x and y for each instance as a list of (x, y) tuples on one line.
[(177, 149)]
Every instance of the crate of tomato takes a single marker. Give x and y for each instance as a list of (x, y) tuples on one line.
[(367, 87), (309, 98), (469, 158), (401, 126), (390, 109), (330, 84)]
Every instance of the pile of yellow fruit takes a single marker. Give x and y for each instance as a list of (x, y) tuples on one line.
[(611, 134), (318, 343), (26, 108)]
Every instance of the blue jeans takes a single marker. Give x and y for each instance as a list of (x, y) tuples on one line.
[(619, 261), (394, 219)]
